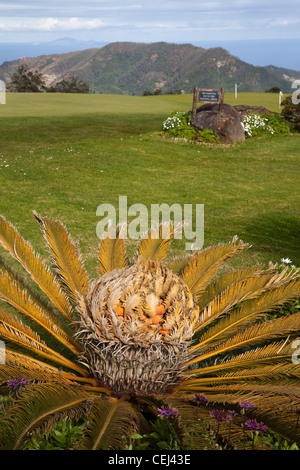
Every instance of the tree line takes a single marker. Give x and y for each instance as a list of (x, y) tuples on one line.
[(25, 80)]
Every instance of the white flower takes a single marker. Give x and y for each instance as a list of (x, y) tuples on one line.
[(286, 260)]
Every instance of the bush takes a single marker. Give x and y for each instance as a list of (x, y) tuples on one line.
[(25, 80), (274, 89), (207, 136), (178, 125), (278, 124), (257, 125), (70, 84)]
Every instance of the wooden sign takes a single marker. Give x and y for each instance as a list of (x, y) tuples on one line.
[(204, 95)]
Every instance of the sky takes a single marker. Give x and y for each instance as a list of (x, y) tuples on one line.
[(175, 21), (148, 21)]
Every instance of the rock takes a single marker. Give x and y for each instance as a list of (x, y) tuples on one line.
[(246, 109), (227, 124)]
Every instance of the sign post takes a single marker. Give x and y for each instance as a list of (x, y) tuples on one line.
[(203, 95)]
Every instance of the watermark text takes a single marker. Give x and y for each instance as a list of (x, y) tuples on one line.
[(2, 352), (295, 99), (296, 353), (2, 92), (187, 220)]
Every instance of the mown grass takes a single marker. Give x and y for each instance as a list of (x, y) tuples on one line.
[(63, 155)]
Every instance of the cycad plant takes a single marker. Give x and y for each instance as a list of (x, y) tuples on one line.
[(146, 337)]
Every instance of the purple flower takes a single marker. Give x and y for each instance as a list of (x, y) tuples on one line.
[(246, 406), (219, 415), (167, 412), (17, 382), (199, 399), (230, 415), (254, 425)]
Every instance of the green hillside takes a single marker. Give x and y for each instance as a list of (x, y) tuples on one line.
[(133, 68)]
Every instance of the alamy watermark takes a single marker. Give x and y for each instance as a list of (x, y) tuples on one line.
[(2, 92), (187, 220), (296, 353), (295, 99), (2, 352)]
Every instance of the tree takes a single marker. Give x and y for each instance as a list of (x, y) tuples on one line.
[(26, 80), (274, 89), (142, 339), (70, 84)]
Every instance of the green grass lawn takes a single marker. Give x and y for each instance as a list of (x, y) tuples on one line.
[(63, 155)]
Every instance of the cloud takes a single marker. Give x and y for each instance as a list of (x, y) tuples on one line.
[(171, 20), (53, 24)]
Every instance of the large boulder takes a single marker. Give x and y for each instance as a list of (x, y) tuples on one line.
[(227, 123), (248, 109)]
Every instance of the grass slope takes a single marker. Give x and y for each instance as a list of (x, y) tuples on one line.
[(63, 155)]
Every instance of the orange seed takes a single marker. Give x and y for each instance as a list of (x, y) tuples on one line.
[(120, 310), (156, 319), (160, 309)]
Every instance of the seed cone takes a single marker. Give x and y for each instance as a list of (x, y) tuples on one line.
[(136, 323)]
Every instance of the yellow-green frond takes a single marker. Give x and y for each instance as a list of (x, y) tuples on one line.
[(288, 374), (40, 406), (203, 265), (19, 364), (154, 246), (66, 258), (109, 422), (255, 335), (21, 336), (224, 281), (111, 253), (248, 312), (278, 352), (245, 289), (21, 301), (32, 263)]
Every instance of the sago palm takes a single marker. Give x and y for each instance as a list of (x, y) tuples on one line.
[(144, 335)]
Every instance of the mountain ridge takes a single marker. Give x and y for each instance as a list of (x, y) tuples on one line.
[(133, 68)]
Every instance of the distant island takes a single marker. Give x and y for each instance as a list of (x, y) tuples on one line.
[(130, 68)]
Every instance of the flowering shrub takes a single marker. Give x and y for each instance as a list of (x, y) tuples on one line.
[(178, 124), (256, 125)]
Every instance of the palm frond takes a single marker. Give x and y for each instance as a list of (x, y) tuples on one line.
[(18, 364), (109, 422), (155, 245), (40, 405), (245, 289), (249, 311), (179, 264), (67, 261), (21, 301), (21, 336), (259, 333), (22, 251), (224, 281), (287, 373), (281, 417), (111, 253), (14, 279), (203, 266), (269, 354)]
